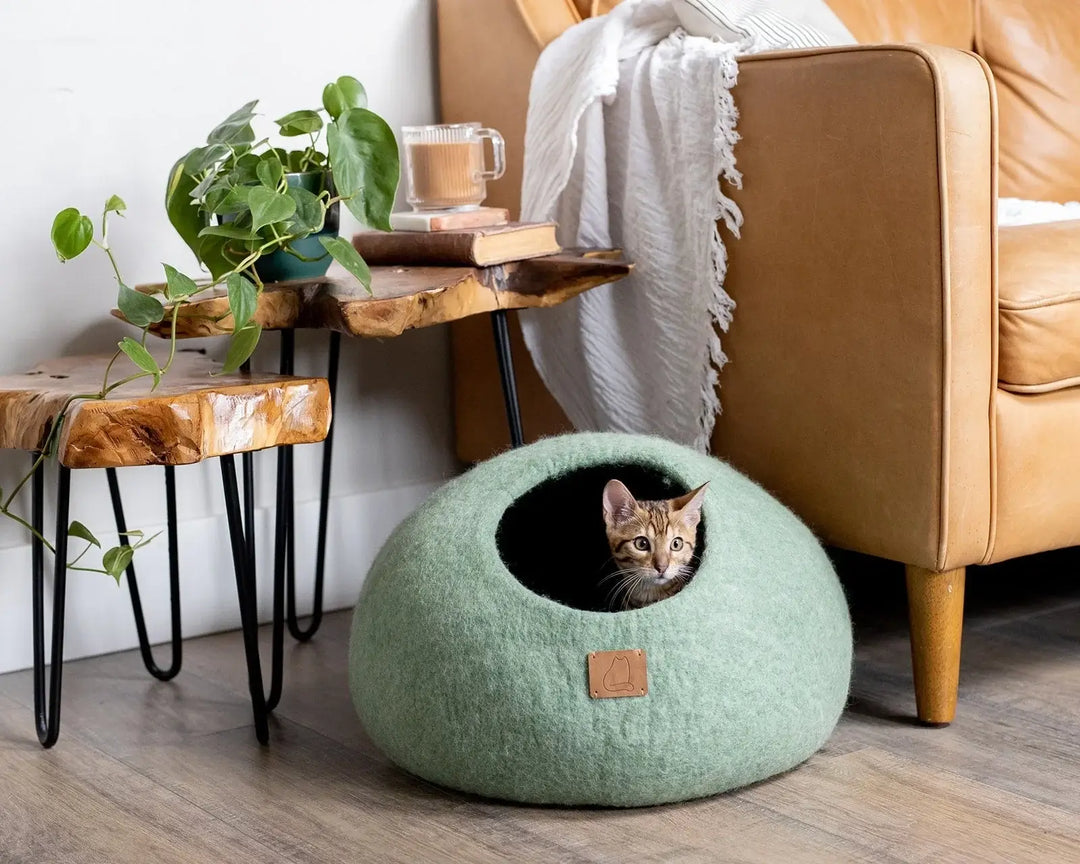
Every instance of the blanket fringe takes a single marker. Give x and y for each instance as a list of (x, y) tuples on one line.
[(721, 306)]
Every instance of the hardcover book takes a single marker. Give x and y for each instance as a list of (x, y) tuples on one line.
[(478, 247)]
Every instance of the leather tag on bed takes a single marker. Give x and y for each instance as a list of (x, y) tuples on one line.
[(613, 674)]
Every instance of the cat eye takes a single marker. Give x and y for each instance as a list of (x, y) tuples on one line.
[(677, 544), (641, 544)]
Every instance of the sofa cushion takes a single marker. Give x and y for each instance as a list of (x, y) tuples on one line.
[(1039, 303), (1034, 52), (936, 22)]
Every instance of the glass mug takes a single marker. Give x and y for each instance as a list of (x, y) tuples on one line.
[(444, 165)]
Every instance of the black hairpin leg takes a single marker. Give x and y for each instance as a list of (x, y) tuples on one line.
[(239, 532), (47, 719), (174, 577), (506, 372), (285, 528)]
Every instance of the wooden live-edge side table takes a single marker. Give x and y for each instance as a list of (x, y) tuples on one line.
[(189, 418), (402, 298)]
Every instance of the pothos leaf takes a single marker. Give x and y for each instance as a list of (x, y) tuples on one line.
[(71, 233), (116, 561), (243, 297), (183, 213), (242, 346), (341, 95), (77, 529), (202, 158), (140, 357), (268, 206), (353, 91), (229, 231), (139, 309), (205, 185), (364, 161), (303, 122), (179, 285), (236, 200), (269, 170), (333, 100), (309, 210), (244, 170), (217, 249), (115, 204), (236, 128), (346, 255)]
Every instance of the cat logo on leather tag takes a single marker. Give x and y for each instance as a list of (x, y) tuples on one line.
[(613, 674)]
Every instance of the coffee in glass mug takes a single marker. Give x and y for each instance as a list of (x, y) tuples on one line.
[(444, 165)]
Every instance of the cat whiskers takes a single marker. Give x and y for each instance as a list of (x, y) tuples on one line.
[(626, 571), (683, 572), (630, 581), (622, 586)]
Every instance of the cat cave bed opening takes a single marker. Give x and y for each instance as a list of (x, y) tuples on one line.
[(553, 539), (473, 643)]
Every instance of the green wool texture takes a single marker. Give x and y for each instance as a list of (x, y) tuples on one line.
[(465, 677)]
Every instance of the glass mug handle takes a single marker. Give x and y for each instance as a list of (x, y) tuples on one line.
[(498, 150)]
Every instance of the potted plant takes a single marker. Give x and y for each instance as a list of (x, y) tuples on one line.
[(234, 197), (251, 212)]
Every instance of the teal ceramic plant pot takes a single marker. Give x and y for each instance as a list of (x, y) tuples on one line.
[(307, 258)]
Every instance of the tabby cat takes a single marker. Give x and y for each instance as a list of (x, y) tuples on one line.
[(652, 544)]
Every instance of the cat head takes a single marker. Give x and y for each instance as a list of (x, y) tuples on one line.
[(652, 543)]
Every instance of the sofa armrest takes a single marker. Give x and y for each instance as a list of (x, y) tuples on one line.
[(862, 365)]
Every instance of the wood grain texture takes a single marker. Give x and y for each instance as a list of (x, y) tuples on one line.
[(936, 610), (79, 805), (407, 298), (905, 806), (151, 771), (191, 416)]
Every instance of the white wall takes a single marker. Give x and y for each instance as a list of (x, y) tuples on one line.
[(100, 98)]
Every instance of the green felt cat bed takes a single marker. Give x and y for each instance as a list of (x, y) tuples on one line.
[(469, 658)]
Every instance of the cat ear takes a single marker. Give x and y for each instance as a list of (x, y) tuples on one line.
[(688, 506), (619, 504)]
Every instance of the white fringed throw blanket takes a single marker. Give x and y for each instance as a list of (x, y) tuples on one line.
[(631, 122)]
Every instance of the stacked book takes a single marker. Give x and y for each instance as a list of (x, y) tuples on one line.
[(479, 238)]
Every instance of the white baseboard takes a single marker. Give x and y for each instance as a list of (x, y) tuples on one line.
[(99, 619)]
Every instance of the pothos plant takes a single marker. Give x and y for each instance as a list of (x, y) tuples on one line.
[(231, 201)]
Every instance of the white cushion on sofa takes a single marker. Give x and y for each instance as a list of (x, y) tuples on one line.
[(764, 24)]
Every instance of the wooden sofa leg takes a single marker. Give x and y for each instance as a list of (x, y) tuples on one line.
[(936, 613)]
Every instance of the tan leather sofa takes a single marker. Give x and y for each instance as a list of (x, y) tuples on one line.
[(903, 374)]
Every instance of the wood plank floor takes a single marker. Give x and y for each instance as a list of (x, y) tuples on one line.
[(146, 771)]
